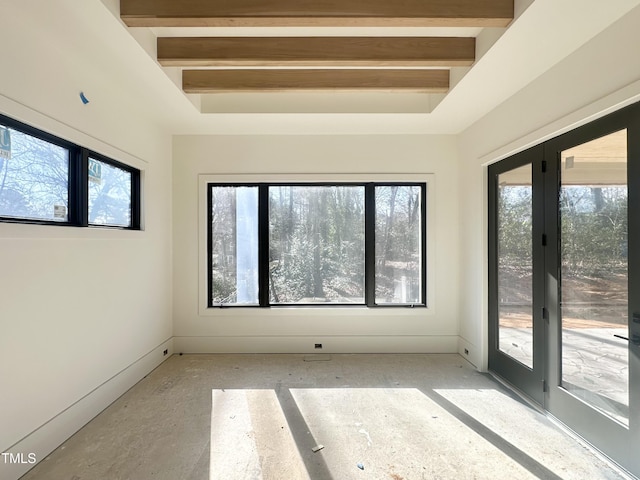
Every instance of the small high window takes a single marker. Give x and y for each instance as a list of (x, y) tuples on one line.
[(111, 189), (45, 179), (34, 177)]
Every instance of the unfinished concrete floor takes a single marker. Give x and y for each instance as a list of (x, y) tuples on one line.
[(205, 417)]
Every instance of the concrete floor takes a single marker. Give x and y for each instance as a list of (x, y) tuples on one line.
[(205, 417)]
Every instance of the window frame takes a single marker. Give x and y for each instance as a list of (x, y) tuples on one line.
[(210, 303), (369, 242), (73, 215), (135, 190), (77, 181)]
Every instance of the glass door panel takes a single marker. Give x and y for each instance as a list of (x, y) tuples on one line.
[(515, 264), (592, 283), (594, 274), (516, 288), (564, 279)]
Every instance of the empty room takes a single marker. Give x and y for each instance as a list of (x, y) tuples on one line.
[(300, 239)]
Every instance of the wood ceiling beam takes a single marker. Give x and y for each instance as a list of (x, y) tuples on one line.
[(316, 51), (316, 13), (273, 80)]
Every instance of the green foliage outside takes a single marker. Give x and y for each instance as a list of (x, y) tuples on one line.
[(593, 238), (317, 244)]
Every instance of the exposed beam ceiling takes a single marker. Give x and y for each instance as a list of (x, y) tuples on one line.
[(261, 80), (276, 62), (316, 51), (317, 13), (512, 67)]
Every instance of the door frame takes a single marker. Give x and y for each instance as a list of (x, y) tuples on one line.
[(602, 431), (543, 386), (528, 381)]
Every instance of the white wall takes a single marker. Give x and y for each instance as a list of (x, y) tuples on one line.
[(84, 312), (599, 77), (297, 329)]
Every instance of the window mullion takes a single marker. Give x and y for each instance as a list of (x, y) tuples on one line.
[(263, 245), (370, 245), (78, 189)]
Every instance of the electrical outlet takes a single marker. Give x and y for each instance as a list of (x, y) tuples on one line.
[(318, 346), (166, 352)]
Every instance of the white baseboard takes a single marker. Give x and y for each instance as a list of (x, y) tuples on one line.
[(46, 438), (330, 344), (42, 441)]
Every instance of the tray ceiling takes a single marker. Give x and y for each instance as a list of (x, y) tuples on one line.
[(387, 46)]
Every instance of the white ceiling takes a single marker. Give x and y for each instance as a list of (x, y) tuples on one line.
[(542, 34)]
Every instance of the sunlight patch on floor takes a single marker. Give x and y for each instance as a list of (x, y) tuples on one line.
[(250, 437)]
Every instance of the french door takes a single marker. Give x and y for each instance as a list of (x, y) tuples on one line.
[(565, 305), (516, 288)]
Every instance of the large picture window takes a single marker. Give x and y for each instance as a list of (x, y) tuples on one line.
[(45, 179), (316, 244)]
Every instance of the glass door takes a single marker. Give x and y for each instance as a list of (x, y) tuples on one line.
[(594, 273), (564, 280), (591, 271), (516, 324)]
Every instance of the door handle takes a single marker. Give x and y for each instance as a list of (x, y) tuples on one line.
[(635, 339)]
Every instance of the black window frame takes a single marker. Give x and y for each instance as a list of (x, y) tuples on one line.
[(77, 181), (369, 247), (134, 188)]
